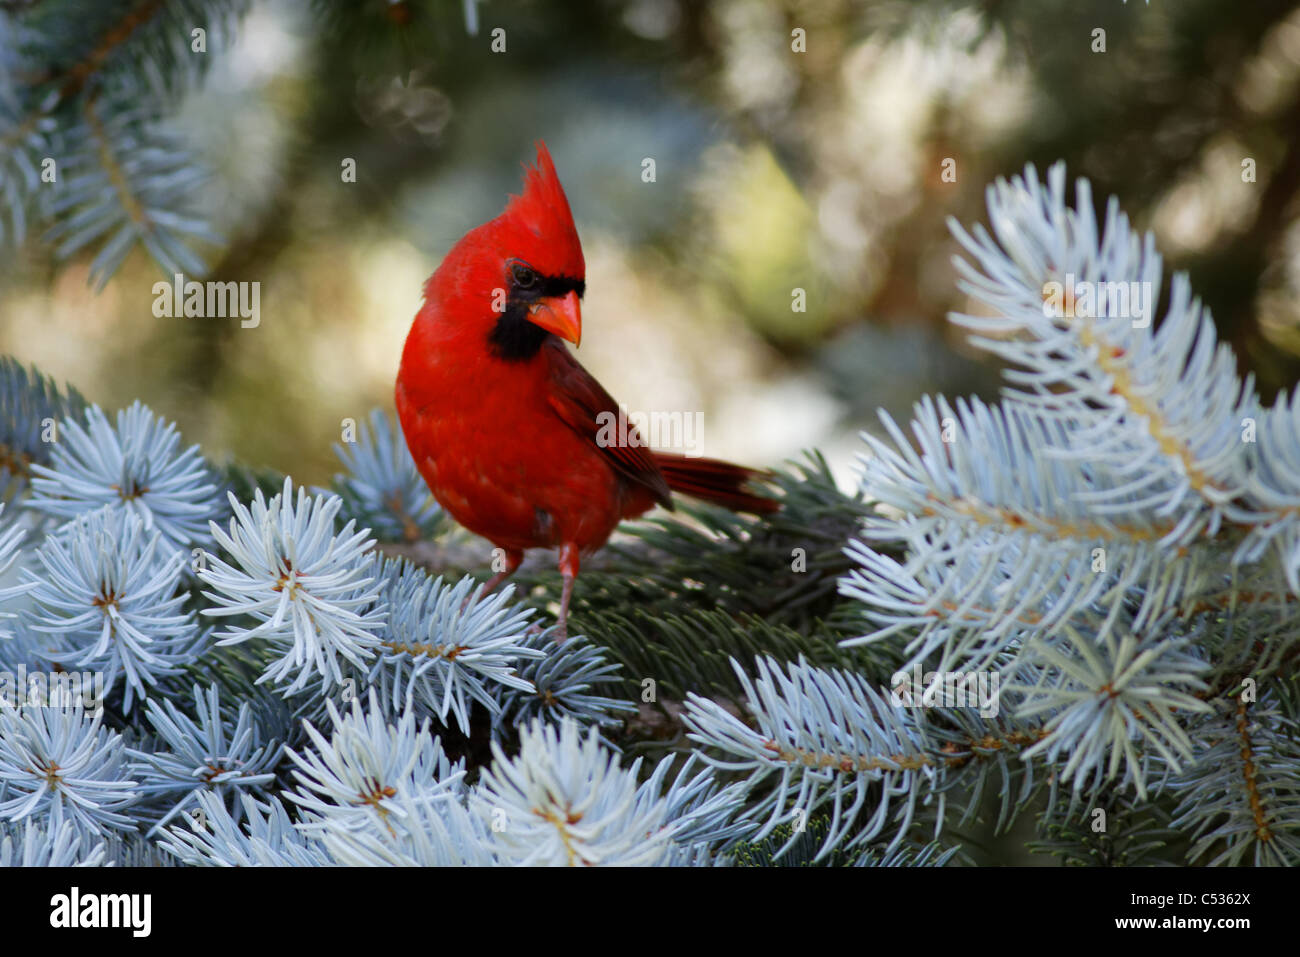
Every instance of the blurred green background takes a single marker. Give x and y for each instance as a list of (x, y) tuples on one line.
[(775, 169)]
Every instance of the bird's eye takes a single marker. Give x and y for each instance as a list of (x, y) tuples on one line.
[(524, 276)]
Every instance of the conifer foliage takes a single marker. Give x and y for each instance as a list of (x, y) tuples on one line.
[(86, 91), (1115, 546)]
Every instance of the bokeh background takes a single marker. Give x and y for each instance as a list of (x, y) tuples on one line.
[(775, 169)]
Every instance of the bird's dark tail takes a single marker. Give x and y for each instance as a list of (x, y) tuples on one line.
[(712, 480)]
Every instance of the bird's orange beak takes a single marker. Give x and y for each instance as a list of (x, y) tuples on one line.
[(559, 314)]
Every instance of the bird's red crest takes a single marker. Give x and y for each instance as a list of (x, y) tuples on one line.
[(539, 216)]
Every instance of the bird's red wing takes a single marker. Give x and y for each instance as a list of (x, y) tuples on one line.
[(578, 399)]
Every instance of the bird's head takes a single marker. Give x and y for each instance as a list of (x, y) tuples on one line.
[(523, 271)]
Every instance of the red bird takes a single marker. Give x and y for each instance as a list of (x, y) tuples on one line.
[(503, 422)]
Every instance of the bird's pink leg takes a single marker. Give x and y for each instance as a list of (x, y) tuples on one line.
[(513, 560), (569, 569)]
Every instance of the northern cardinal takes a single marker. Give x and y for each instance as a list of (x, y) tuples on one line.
[(503, 422)]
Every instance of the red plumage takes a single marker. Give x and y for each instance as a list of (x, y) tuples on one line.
[(502, 421)]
